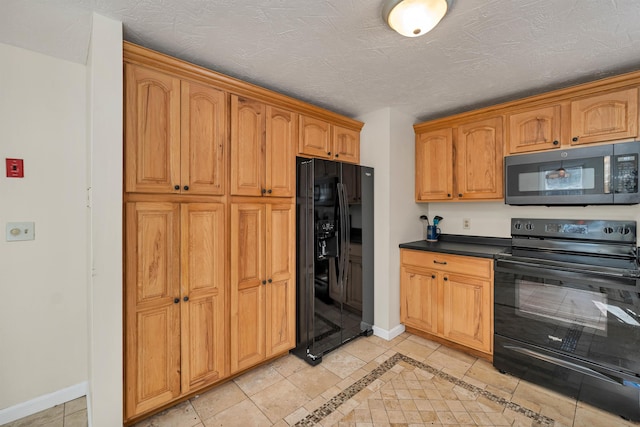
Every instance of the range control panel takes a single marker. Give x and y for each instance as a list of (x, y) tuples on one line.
[(608, 230)]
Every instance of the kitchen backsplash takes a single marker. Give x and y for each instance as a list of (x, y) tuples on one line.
[(494, 218)]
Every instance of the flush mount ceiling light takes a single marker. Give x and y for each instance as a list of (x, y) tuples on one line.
[(413, 18)]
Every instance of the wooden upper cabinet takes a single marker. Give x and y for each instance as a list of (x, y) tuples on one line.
[(479, 160), (175, 133), (203, 139), (434, 160), (346, 144), (324, 140), (247, 146), (262, 149), (152, 130), (534, 129), (604, 117), (281, 141), (315, 138)]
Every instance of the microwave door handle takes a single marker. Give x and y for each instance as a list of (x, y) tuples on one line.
[(607, 174)]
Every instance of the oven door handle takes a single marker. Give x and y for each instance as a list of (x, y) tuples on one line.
[(532, 267), (563, 363)]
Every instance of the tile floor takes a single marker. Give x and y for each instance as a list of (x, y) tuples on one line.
[(69, 414), (408, 381)]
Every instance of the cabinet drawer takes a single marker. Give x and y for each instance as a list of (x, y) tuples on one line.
[(470, 266)]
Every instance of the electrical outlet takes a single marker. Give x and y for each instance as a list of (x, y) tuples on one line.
[(466, 223)]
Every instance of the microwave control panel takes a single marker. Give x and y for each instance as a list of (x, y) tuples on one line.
[(626, 175)]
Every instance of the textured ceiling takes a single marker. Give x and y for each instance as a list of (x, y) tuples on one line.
[(339, 54)]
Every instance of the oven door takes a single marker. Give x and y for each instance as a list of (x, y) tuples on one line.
[(585, 315)]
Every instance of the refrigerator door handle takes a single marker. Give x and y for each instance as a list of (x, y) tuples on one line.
[(347, 232), (340, 234)]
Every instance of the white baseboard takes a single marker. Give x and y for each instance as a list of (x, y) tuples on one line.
[(388, 334), (41, 403)]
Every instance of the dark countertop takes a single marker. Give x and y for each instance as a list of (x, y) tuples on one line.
[(478, 246)]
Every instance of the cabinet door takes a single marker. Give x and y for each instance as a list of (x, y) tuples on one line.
[(468, 311), (534, 129), (152, 131), (247, 147), (282, 140), (248, 282), (419, 298), (203, 294), (280, 263), (479, 160), (152, 317), (605, 117), (434, 160), (346, 145), (315, 138), (203, 139)]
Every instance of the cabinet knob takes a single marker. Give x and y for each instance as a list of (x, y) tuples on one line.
[(574, 139), (176, 187), (448, 194), (459, 194), (329, 152), (185, 299), (269, 191), (176, 300), (186, 188), (446, 278), (556, 142), (337, 155), (433, 276), (270, 281), (264, 190), (264, 282)]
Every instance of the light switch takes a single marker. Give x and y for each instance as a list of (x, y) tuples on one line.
[(17, 231)]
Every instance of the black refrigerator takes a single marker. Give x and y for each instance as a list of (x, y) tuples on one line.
[(334, 232)]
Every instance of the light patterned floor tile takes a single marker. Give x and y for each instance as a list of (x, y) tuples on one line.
[(370, 382), (181, 415), (245, 413), (217, 400)]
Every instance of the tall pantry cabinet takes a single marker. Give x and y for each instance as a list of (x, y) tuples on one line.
[(262, 295), (209, 225), (175, 245)]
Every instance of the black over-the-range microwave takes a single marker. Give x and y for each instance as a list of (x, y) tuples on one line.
[(598, 175)]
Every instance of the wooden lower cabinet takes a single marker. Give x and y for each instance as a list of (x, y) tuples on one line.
[(262, 282), (448, 296), (174, 301)]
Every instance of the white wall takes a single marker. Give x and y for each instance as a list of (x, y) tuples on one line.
[(43, 308), (387, 144), (104, 70), (494, 218)]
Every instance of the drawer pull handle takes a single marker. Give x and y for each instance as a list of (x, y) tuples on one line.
[(440, 262)]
